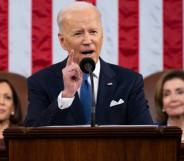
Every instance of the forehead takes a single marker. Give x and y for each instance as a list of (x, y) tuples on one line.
[(80, 18), (5, 88), (174, 83)]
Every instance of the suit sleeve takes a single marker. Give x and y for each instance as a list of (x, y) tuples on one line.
[(138, 111), (43, 106), (40, 109)]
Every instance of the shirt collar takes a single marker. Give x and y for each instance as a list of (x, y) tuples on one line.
[(97, 69)]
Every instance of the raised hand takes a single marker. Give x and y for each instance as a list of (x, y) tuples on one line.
[(72, 77)]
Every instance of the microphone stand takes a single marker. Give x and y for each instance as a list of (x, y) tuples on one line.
[(93, 109)]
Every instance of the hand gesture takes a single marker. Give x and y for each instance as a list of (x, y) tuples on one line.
[(72, 77)]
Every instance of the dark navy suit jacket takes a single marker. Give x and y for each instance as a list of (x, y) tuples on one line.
[(45, 86)]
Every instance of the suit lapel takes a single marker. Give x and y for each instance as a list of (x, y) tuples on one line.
[(106, 87)]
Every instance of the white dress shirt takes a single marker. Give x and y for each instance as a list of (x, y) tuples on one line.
[(64, 102)]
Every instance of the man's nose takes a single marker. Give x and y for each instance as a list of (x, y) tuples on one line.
[(87, 39)]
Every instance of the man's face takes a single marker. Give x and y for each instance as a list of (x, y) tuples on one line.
[(82, 33)]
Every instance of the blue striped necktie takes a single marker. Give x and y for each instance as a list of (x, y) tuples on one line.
[(86, 98)]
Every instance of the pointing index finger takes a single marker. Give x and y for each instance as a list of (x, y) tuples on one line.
[(70, 58)]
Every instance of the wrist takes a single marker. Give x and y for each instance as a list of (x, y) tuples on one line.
[(66, 94)]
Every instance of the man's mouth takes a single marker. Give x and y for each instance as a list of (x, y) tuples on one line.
[(87, 52)]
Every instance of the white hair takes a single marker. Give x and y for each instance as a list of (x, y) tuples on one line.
[(75, 6)]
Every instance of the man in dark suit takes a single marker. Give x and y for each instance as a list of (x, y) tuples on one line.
[(54, 91)]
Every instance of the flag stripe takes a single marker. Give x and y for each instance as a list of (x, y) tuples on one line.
[(20, 36), (172, 34), (110, 25), (151, 46), (58, 53), (41, 34), (129, 34), (146, 36), (4, 35)]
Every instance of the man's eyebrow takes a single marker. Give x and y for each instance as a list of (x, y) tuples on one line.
[(77, 29)]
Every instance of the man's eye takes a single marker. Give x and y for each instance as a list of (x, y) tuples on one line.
[(77, 33), (93, 32)]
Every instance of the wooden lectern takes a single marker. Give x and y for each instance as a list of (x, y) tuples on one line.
[(115, 143)]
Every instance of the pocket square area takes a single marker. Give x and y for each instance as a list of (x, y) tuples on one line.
[(114, 103)]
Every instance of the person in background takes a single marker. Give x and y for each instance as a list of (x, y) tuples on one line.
[(169, 99), (10, 108), (54, 92)]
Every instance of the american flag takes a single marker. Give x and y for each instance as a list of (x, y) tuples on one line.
[(143, 35)]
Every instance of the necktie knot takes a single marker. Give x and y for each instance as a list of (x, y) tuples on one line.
[(85, 77)]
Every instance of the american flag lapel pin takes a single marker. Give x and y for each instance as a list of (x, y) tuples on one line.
[(110, 84)]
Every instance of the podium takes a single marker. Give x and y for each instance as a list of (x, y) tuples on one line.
[(108, 143)]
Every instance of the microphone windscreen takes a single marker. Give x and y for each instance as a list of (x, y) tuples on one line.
[(87, 65)]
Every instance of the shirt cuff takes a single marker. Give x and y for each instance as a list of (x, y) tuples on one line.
[(64, 103)]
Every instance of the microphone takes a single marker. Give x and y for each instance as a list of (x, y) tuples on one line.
[(87, 65)]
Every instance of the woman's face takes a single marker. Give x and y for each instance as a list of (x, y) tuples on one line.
[(173, 97), (6, 101)]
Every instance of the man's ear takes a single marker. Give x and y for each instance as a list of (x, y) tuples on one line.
[(61, 40)]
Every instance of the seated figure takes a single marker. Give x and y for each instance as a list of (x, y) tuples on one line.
[(10, 110), (169, 99)]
